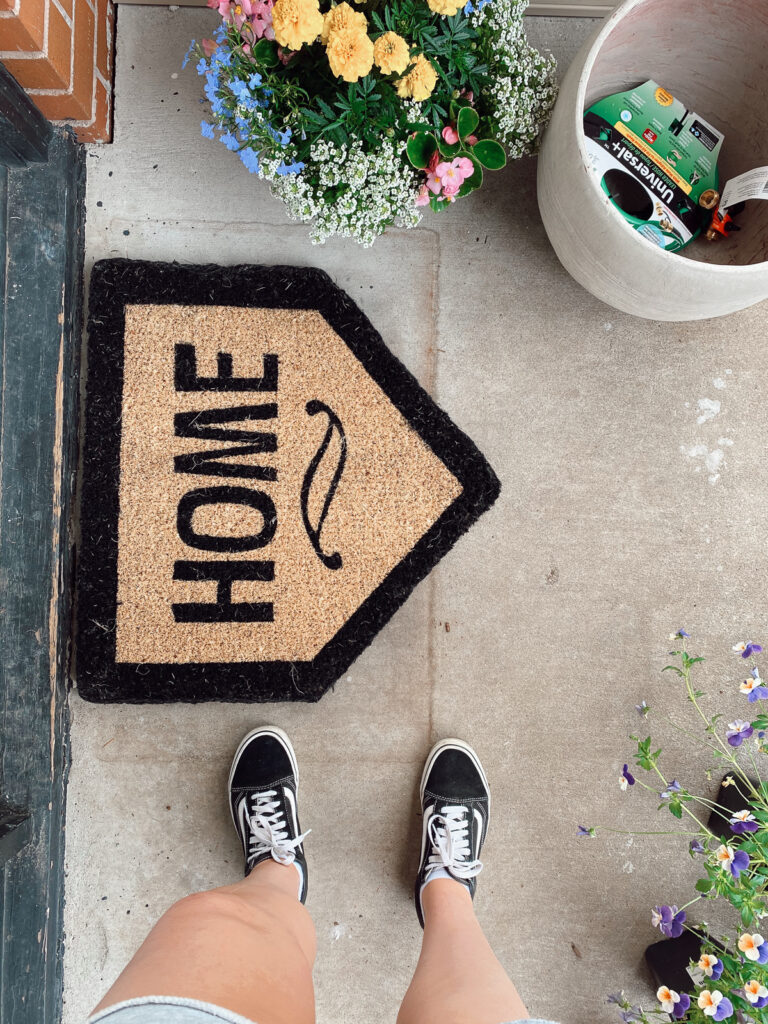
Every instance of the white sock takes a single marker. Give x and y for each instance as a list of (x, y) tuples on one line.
[(439, 873)]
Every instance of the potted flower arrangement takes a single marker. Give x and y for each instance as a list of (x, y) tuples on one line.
[(727, 979), (361, 114)]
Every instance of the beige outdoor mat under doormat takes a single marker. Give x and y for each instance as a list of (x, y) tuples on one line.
[(264, 484)]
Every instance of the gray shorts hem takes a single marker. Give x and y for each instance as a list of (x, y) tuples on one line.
[(179, 1010)]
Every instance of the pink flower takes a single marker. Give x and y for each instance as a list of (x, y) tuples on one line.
[(452, 175), (471, 140), (450, 135), (209, 45), (434, 160), (261, 19), (433, 183), (233, 13), (422, 199), (286, 56)]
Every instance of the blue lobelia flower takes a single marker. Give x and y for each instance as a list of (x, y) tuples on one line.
[(202, 66), (251, 159), (230, 141), (737, 732), (255, 80), (473, 6), (188, 54), (240, 90), (220, 34), (669, 920), (293, 168), (682, 1007), (206, 130)]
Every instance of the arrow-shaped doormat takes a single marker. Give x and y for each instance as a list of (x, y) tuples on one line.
[(264, 484)]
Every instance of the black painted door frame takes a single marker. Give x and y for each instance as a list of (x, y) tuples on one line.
[(42, 175)]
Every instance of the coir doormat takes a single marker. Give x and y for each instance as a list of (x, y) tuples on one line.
[(264, 484)]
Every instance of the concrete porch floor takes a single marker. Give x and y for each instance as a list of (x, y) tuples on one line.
[(626, 511)]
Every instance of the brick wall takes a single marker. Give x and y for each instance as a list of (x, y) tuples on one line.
[(60, 51)]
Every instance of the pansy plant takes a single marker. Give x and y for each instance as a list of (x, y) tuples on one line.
[(730, 977)]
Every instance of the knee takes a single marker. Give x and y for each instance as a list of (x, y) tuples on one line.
[(273, 913)]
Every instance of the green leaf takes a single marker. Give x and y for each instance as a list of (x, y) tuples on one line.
[(448, 150), (466, 122), (420, 148), (472, 183), (704, 885), (265, 54), (676, 808), (746, 915), (490, 154), (672, 668)]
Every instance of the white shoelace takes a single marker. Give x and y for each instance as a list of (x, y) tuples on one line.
[(269, 831), (449, 835)]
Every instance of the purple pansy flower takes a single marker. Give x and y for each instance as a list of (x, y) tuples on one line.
[(642, 708), (669, 920), (585, 832), (723, 1010), (754, 687), (743, 821), (711, 966), (696, 846), (682, 1007), (673, 787), (632, 1014), (627, 778), (734, 861), (737, 732), (747, 648)]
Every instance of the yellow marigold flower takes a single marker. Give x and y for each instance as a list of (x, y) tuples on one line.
[(446, 7), (350, 53), (419, 82), (390, 53), (296, 22), (342, 16)]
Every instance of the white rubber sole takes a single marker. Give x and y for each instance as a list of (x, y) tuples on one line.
[(264, 730)]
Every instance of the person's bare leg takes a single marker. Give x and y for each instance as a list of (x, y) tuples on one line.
[(458, 979), (247, 947)]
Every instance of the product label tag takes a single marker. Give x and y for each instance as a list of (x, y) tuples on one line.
[(750, 185)]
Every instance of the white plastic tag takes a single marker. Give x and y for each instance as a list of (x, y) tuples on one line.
[(750, 185)]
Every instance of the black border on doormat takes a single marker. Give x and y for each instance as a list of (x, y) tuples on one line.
[(116, 283)]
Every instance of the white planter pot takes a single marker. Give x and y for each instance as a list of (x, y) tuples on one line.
[(711, 54)]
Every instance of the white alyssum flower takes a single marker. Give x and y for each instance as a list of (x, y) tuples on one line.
[(348, 192), (523, 89)]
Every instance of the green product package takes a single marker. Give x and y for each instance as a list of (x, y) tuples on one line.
[(655, 158)]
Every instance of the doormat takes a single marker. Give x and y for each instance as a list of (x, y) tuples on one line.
[(264, 484)]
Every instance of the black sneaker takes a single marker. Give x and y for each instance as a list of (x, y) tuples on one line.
[(263, 783), (456, 804)]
